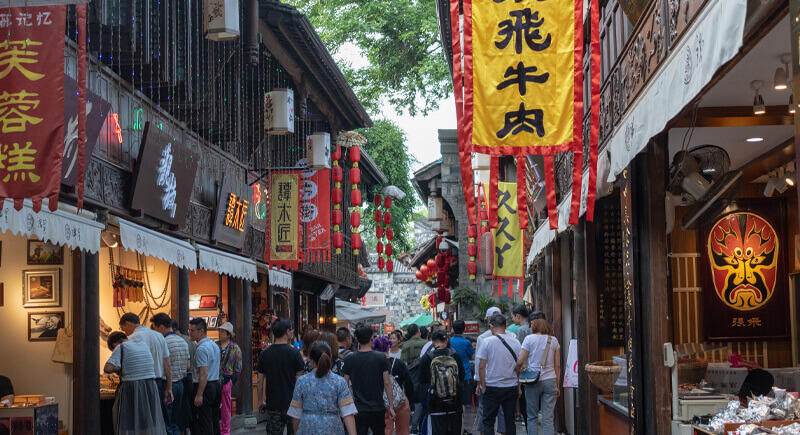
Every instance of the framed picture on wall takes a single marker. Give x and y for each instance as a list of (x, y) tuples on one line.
[(45, 253), (212, 322), (206, 318), (43, 326), (41, 288)]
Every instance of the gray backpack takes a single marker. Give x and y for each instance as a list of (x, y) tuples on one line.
[(444, 378)]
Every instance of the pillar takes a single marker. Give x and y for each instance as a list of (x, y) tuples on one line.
[(586, 299), (183, 300), (86, 342), (245, 341)]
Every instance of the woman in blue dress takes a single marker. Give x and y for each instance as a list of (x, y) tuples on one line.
[(322, 399)]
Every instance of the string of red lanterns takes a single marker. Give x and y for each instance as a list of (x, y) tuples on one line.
[(355, 198), (336, 196)]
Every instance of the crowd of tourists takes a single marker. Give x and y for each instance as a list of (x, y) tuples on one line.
[(427, 381)]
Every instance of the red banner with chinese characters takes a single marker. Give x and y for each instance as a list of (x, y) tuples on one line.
[(31, 103), (315, 214)]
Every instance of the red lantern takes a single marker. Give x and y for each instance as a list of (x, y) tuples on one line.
[(441, 276), (387, 203), (336, 196), (389, 234), (485, 230), (377, 201), (440, 260), (379, 248), (420, 276), (472, 231), (387, 218), (355, 154), (355, 241), (336, 218), (336, 174), (355, 175), (380, 263), (389, 266), (472, 249), (424, 270), (432, 266), (445, 280), (431, 298), (378, 232), (337, 153), (355, 198), (389, 249), (355, 219), (438, 241), (378, 216), (338, 240), (472, 268)]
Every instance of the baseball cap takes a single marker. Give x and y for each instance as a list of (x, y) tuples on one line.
[(492, 312)]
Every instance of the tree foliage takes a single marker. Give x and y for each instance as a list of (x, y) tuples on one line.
[(399, 38), (386, 144)]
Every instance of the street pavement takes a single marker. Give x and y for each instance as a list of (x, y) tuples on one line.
[(261, 429)]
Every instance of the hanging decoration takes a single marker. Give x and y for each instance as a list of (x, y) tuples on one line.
[(279, 111), (472, 251), (355, 197), (221, 19), (315, 214), (379, 230), (284, 218), (387, 205), (336, 197), (508, 240), (512, 55)]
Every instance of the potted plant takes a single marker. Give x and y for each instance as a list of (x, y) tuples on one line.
[(465, 299)]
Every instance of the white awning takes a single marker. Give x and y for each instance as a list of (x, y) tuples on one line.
[(221, 262), (280, 278), (58, 227), (148, 242), (714, 39)]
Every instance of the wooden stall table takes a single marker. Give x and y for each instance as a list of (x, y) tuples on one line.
[(613, 418)]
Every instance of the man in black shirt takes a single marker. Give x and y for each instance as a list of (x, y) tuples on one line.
[(445, 413), (279, 366), (368, 372)]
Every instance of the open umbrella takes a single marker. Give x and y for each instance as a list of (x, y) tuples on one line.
[(350, 139), (419, 320), (393, 191)]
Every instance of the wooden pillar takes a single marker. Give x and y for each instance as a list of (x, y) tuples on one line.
[(561, 255), (234, 296), (650, 176), (794, 11), (586, 298), (183, 300), (244, 337), (86, 342)]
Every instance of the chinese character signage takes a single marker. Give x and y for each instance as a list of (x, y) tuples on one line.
[(233, 210), (745, 283), (609, 282), (31, 103), (315, 213), (284, 219), (522, 89), (508, 239), (97, 110), (164, 176)]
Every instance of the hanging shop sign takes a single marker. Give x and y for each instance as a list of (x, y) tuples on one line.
[(284, 219), (610, 286), (97, 110), (31, 103), (571, 371), (233, 208), (373, 299), (508, 240), (744, 272), (164, 177), (315, 214), (258, 204)]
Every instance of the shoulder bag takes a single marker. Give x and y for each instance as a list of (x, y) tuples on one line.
[(529, 376)]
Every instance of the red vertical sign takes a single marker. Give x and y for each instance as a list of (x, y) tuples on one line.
[(315, 213), (31, 103)]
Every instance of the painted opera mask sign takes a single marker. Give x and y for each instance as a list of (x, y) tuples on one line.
[(744, 280)]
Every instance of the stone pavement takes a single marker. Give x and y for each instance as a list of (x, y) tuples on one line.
[(260, 429)]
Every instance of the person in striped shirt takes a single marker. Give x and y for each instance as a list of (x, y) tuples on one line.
[(174, 415)]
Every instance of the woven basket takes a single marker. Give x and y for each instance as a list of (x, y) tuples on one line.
[(603, 374)]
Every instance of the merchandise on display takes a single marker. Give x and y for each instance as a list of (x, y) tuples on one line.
[(760, 409)]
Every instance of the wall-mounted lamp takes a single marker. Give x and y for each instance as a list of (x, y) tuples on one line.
[(782, 73), (758, 101), (109, 239)]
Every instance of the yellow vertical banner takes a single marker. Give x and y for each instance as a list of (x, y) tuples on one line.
[(284, 220), (508, 237)]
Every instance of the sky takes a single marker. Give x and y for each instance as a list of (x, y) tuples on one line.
[(422, 132)]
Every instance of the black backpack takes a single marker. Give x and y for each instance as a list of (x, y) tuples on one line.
[(418, 395)]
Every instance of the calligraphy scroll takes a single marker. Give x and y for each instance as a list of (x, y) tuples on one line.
[(31, 103), (508, 240), (284, 219), (315, 214)]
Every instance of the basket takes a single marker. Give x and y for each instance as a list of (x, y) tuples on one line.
[(691, 372), (603, 374)]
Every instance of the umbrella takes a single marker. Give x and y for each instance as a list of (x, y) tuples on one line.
[(354, 313), (420, 320), (351, 139), (393, 191)]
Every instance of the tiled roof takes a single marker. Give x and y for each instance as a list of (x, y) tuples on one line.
[(399, 268)]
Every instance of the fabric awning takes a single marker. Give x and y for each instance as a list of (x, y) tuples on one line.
[(58, 227), (419, 320), (354, 313), (214, 260), (280, 278), (148, 242), (714, 39)]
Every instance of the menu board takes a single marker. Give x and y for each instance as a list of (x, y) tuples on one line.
[(610, 285)]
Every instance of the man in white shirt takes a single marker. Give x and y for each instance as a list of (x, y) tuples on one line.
[(501, 424), (129, 323), (499, 382), (207, 388)]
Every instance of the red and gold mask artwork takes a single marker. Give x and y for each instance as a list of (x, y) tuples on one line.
[(743, 253)]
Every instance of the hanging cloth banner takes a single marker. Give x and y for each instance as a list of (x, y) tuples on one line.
[(509, 244), (284, 220), (315, 213), (31, 104)]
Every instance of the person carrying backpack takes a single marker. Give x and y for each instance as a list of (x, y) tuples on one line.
[(442, 374)]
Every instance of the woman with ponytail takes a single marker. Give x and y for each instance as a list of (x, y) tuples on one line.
[(322, 399)]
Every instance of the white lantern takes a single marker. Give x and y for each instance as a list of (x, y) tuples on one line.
[(480, 161), (279, 111), (319, 153), (221, 19), (435, 209), (442, 225)]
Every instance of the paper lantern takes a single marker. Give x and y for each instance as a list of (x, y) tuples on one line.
[(319, 154), (441, 276), (380, 263), (472, 231), (338, 240), (419, 275), (355, 175), (379, 248), (440, 260), (355, 219), (377, 201), (387, 218), (424, 270), (389, 266), (336, 174), (336, 154), (378, 217), (432, 266), (279, 111), (389, 234), (435, 209), (336, 217), (355, 242), (438, 242), (387, 203), (389, 249), (472, 249), (378, 232), (221, 19), (336, 196), (355, 198), (355, 154), (472, 269)]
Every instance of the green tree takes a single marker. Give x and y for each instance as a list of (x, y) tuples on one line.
[(401, 41), (386, 144)]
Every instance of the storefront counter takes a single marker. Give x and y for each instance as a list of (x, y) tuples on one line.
[(613, 418), (36, 420)]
